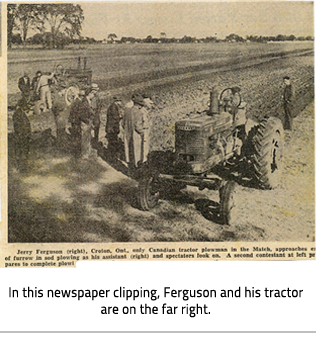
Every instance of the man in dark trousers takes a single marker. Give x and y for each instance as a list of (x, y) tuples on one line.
[(22, 135), (24, 85), (288, 103), (96, 106), (35, 80), (80, 117), (113, 126)]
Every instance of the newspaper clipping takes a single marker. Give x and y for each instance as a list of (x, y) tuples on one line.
[(156, 131)]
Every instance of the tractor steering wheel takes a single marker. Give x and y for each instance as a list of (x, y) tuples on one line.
[(232, 95)]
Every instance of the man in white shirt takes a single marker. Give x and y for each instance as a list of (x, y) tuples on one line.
[(43, 89)]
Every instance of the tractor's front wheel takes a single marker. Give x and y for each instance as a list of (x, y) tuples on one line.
[(268, 152), (148, 193)]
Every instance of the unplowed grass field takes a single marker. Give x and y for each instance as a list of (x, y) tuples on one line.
[(63, 201)]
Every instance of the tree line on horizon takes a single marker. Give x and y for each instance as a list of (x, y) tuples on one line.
[(211, 39), (59, 25)]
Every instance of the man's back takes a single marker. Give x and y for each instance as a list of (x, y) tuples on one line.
[(44, 81), (21, 124), (128, 121), (132, 120), (113, 118)]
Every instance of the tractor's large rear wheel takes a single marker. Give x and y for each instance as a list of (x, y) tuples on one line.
[(268, 152), (71, 93)]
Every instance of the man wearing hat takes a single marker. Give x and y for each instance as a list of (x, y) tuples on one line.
[(112, 128), (80, 117), (135, 128), (22, 135), (24, 85), (96, 107)]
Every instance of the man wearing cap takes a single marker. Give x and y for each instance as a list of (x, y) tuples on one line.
[(112, 127), (22, 135), (288, 103), (24, 85), (134, 124)]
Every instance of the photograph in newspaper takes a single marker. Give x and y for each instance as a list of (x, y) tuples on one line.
[(162, 123)]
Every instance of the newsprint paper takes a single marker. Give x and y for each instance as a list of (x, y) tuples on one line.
[(156, 131)]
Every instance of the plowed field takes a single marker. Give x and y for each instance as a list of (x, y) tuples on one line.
[(63, 201)]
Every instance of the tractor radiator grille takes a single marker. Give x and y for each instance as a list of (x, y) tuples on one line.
[(189, 142)]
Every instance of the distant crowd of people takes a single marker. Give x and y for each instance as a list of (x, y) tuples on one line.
[(127, 126)]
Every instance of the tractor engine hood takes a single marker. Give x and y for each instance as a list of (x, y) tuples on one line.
[(196, 148), (211, 124)]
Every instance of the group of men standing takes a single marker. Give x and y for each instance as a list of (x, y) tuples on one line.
[(127, 124)]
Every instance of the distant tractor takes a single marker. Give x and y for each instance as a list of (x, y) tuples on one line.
[(74, 79), (68, 81), (210, 139)]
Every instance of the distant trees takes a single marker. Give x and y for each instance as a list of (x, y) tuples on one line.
[(231, 38), (163, 36), (62, 19), (149, 39), (278, 38), (63, 22), (11, 14), (27, 16), (209, 39), (112, 36), (234, 38), (188, 39), (55, 25)]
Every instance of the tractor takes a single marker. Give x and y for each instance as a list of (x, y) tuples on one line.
[(217, 137), (73, 79), (68, 82)]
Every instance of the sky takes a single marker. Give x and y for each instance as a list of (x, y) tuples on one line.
[(197, 19)]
